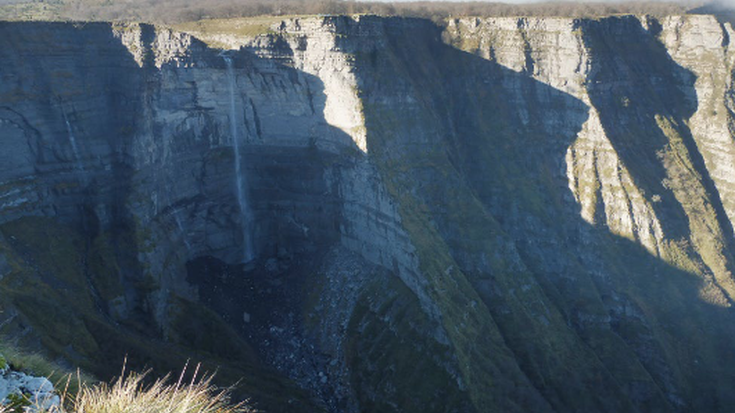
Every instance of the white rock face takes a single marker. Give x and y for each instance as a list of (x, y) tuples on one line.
[(559, 52), (700, 44), (39, 390), (317, 51), (552, 50)]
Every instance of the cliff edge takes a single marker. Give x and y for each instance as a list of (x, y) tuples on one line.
[(380, 214)]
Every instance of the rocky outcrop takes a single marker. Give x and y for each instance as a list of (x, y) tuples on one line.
[(505, 214), (19, 390)]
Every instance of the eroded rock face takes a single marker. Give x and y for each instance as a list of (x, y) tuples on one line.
[(502, 215)]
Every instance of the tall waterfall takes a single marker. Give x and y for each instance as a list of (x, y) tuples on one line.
[(239, 176), (73, 141), (182, 231)]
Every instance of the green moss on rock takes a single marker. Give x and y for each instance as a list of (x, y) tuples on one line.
[(396, 365)]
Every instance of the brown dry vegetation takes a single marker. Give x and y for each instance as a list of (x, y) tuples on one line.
[(131, 394)]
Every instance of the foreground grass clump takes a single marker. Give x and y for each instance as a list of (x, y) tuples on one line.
[(130, 394)]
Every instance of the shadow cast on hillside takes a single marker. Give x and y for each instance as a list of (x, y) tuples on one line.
[(647, 96), (116, 108), (473, 123), (86, 189)]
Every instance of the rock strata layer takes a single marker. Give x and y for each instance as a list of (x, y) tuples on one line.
[(503, 214)]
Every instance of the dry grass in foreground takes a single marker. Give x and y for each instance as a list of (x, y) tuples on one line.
[(130, 394)]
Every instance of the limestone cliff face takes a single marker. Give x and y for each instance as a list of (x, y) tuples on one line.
[(501, 215)]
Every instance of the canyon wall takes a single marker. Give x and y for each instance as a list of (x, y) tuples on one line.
[(503, 214)]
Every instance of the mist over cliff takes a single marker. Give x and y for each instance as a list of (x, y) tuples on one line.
[(379, 214)]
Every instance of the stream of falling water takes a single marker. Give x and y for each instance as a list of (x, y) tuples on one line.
[(184, 235), (240, 181), (73, 141)]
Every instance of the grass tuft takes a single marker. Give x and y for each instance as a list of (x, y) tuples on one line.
[(131, 393)]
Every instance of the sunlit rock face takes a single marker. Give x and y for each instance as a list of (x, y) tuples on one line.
[(504, 214)]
